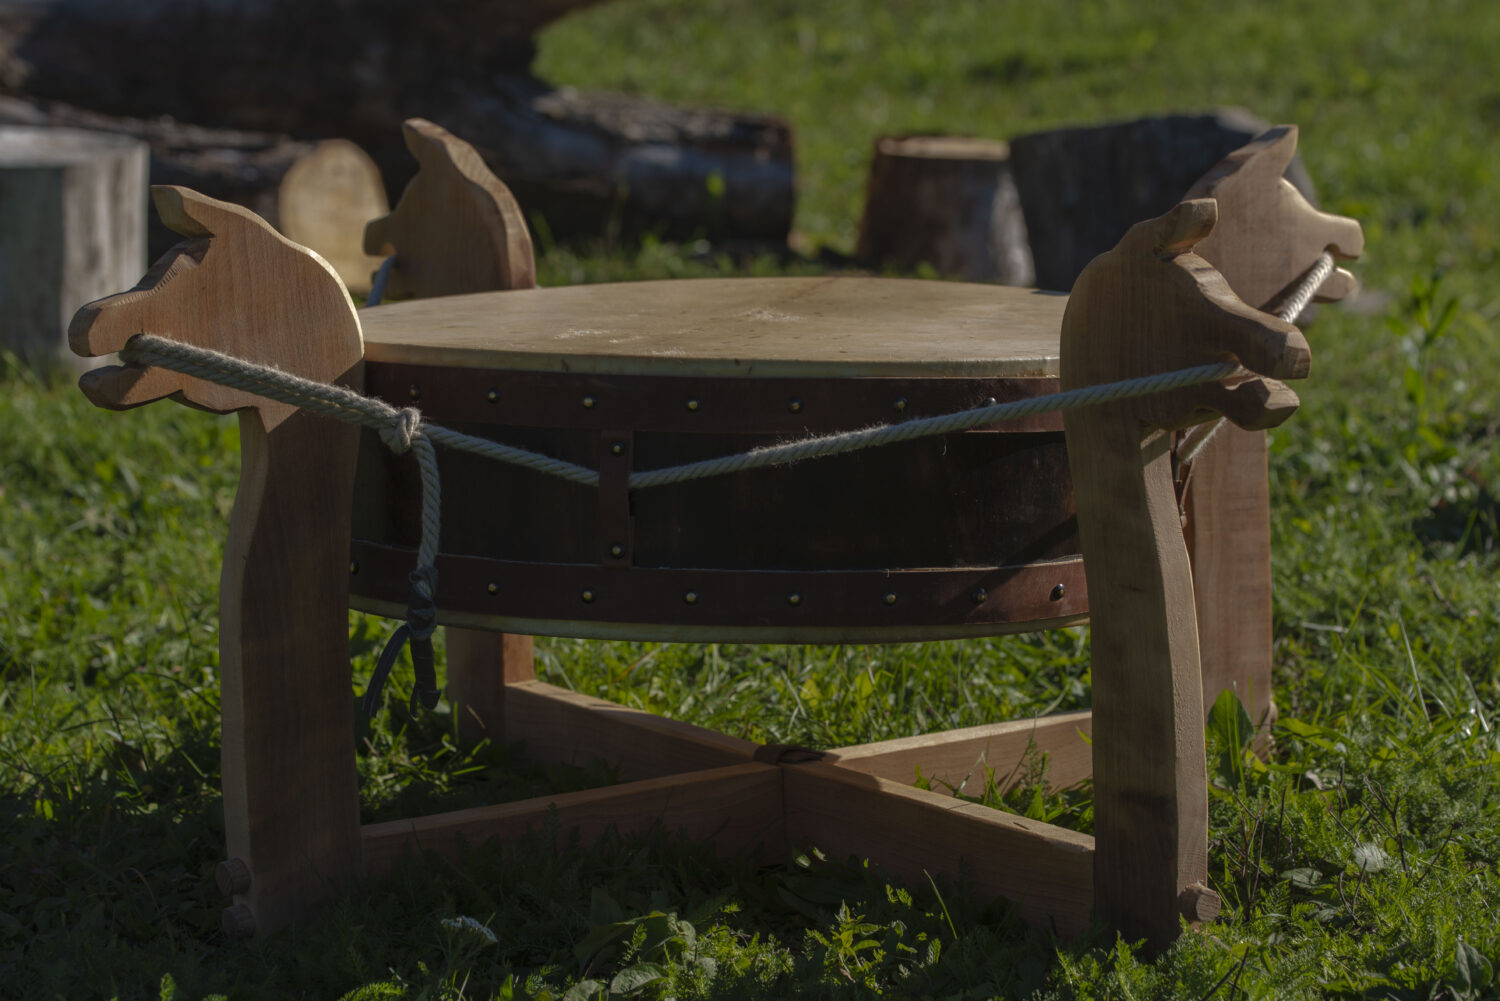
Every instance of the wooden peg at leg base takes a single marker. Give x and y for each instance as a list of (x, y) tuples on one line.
[(1199, 903), (232, 876)]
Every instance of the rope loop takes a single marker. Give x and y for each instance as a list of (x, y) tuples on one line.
[(403, 430)]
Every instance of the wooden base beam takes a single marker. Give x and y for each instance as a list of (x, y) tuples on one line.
[(1047, 871), (563, 727), (957, 759), (735, 808)]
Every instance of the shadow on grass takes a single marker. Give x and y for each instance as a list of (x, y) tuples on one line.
[(106, 888)]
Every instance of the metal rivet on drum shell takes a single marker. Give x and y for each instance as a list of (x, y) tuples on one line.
[(617, 448), (795, 406), (492, 587), (1058, 592), (900, 404), (588, 402), (587, 595), (989, 401), (492, 394), (889, 598), (617, 550), (693, 404), (794, 599), (691, 597), (979, 594), (415, 392), (354, 566)]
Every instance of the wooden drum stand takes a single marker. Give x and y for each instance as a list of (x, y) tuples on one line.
[(969, 534)]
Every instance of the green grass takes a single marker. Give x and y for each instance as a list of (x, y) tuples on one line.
[(1363, 861)]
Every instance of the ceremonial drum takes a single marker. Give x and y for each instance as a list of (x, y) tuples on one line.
[(963, 534)]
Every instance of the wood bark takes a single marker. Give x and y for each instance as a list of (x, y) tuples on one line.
[(72, 229), (948, 202)]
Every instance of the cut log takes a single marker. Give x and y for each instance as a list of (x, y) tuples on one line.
[(587, 164), (72, 229), (295, 66), (948, 202), (602, 163), (1082, 188), (245, 168), (324, 202)]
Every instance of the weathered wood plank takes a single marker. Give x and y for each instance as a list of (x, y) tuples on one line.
[(559, 726), (736, 808), (1047, 871), (958, 758)]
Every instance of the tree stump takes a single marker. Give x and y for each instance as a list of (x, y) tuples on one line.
[(949, 202), (324, 202), (72, 229), (1082, 188)]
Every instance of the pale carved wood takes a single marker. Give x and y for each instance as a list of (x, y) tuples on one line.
[(1267, 237), (1151, 305), (291, 809), (457, 230), (323, 203)]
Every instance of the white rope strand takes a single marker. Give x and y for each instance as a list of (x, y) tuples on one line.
[(885, 434)]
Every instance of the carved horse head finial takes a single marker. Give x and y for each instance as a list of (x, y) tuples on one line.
[(457, 228), (1268, 235), (1153, 305), (236, 286)]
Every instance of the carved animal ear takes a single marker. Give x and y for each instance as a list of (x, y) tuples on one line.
[(185, 211), (425, 140), (1269, 153), (1183, 226)]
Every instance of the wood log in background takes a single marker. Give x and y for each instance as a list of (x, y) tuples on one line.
[(1082, 188), (72, 229), (355, 69), (230, 164), (949, 202)]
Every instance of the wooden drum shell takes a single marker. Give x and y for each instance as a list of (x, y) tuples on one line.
[(962, 534)]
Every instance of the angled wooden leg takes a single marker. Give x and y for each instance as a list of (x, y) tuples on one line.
[(480, 665), (291, 808), (1228, 531)]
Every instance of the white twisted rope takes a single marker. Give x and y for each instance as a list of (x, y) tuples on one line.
[(1197, 440)]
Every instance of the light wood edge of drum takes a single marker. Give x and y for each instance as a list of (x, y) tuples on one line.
[(841, 328), (678, 633), (957, 759), (1046, 871), (734, 808)]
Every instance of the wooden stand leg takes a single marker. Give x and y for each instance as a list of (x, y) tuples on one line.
[(291, 808), (1228, 532), (480, 665), (1150, 776)]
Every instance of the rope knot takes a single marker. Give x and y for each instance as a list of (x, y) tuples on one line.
[(404, 429)]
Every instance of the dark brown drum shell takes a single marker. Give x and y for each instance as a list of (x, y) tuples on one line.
[(957, 534)]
